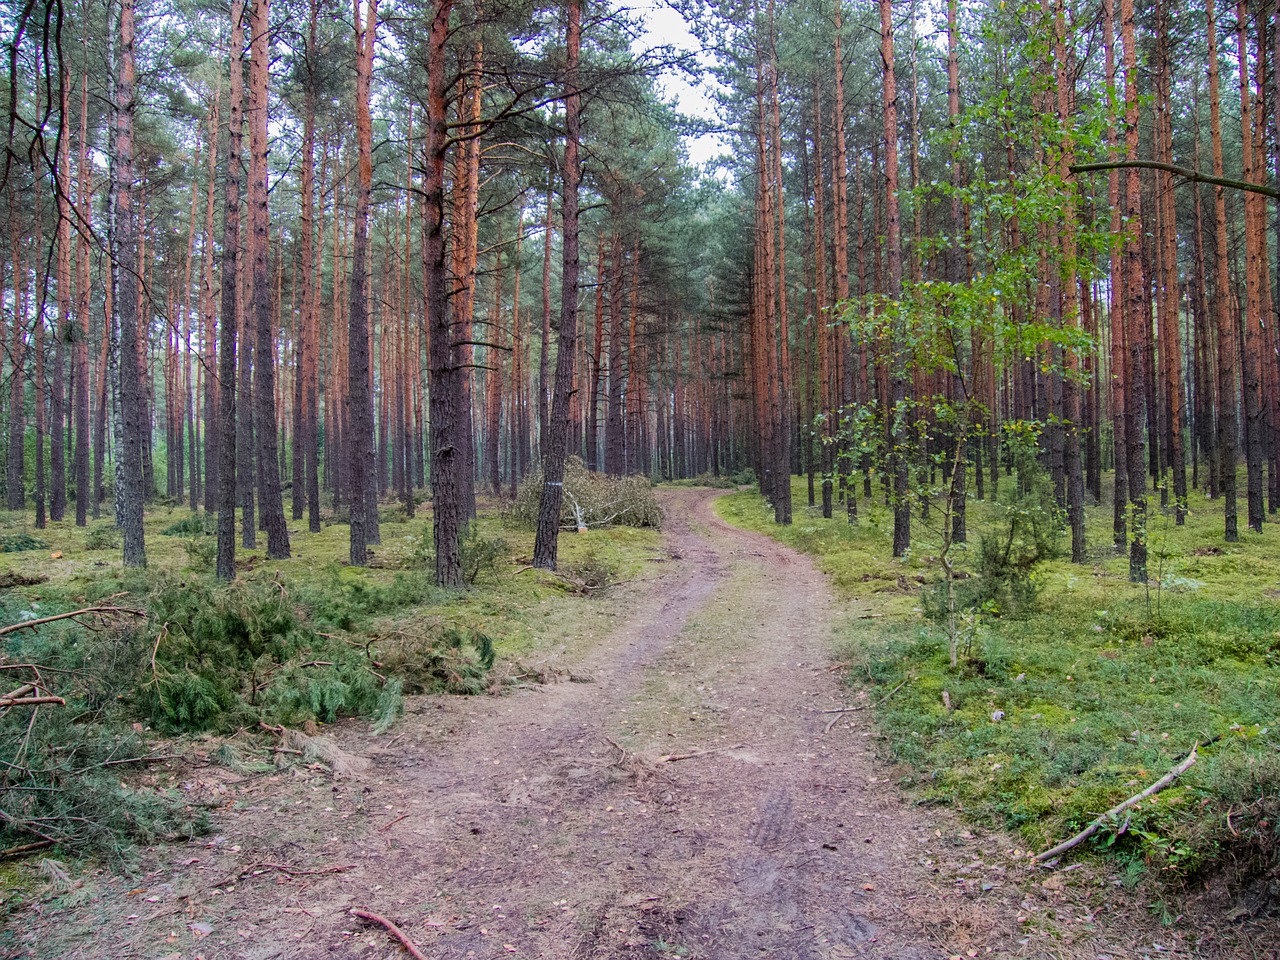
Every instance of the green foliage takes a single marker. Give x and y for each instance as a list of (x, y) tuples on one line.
[(590, 500), (444, 659), (201, 553), (1021, 532), (235, 654), (102, 536), (60, 786), (20, 542), (341, 598), (481, 555), (194, 525)]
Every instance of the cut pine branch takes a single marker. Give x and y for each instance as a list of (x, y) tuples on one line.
[(101, 610)]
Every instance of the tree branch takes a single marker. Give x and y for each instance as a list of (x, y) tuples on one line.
[(1185, 172)]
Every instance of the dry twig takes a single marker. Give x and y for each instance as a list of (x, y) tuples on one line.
[(392, 929)]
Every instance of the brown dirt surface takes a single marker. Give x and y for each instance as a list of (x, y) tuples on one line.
[(690, 801)]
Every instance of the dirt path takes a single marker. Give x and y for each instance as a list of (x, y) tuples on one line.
[(686, 803)]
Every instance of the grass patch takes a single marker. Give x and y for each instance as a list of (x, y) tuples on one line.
[(1086, 698)]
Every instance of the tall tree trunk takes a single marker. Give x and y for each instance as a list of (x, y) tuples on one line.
[(1228, 350), (80, 348), (225, 564), (360, 452), (546, 538), (893, 290), (265, 428), (15, 477), (62, 333), (124, 267), (1068, 305), (209, 317), (447, 459), (1255, 264), (1136, 308), (304, 428)]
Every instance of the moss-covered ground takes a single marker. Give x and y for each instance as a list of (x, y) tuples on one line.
[(1056, 715)]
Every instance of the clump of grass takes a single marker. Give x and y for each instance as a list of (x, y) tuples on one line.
[(591, 570), (102, 536)]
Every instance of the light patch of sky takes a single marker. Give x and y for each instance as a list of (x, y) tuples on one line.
[(663, 25)]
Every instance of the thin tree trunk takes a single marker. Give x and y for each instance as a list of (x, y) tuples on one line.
[(893, 252), (225, 564)]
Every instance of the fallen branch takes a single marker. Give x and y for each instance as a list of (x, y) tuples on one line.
[(291, 871), (839, 711), (675, 757), (1096, 825), (865, 705), (30, 701), (31, 624), (393, 930), (392, 823), (25, 848)]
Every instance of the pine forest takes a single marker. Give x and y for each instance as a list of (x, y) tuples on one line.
[(363, 356)]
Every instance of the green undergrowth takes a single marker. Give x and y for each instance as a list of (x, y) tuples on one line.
[(1084, 700), (292, 642)]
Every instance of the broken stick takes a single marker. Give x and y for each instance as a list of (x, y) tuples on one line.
[(393, 930), (674, 757), (1096, 825)]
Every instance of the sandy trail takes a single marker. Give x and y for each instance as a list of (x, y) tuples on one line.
[(551, 823)]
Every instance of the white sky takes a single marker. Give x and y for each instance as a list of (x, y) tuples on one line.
[(664, 25)]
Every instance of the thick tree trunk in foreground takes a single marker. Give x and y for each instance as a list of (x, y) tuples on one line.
[(360, 449), (447, 460), (125, 264)]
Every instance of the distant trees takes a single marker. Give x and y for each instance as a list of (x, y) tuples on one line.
[(913, 249)]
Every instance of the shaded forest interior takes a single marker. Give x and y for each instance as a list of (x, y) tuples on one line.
[(939, 236)]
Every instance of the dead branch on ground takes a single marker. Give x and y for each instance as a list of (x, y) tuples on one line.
[(1119, 808), (392, 929)]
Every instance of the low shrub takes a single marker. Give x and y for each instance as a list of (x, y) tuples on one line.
[(102, 536), (194, 525), (21, 542), (441, 659)]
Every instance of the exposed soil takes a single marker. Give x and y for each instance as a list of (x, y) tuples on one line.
[(690, 801)]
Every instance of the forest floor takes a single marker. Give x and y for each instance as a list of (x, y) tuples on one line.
[(688, 797)]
